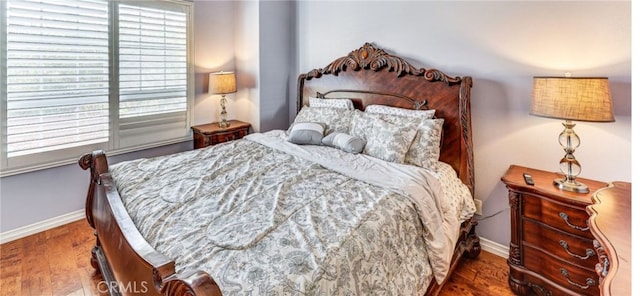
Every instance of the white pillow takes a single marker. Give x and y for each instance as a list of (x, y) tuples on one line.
[(306, 133), (344, 142), (382, 109), (384, 140), (331, 103), (336, 120)]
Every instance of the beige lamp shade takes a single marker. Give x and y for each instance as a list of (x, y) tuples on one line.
[(222, 83), (579, 98)]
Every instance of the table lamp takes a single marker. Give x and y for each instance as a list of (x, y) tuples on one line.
[(222, 83), (569, 98)]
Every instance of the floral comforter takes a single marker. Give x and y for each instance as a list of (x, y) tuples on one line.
[(266, 217)]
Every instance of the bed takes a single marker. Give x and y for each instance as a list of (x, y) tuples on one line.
[(266, 216)]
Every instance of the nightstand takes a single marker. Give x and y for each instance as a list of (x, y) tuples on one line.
[(211, 134), (551, 250)]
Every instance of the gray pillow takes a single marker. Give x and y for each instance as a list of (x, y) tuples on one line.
[(306, 133), (344, 142)]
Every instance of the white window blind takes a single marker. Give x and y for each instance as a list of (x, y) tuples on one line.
[(57, 75), (152, 70), (153, 61), (80, 75)]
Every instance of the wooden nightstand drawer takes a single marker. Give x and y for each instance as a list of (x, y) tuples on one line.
[(230, 136), (211, 134), (561, 216), (565, 246), (577, 279)]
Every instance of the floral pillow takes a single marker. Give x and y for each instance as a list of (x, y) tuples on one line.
[(331, 103), (382, 109), (336, 120), (424, 151), (384, 140)]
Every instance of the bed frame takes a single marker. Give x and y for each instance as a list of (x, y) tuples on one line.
[(367, 75)]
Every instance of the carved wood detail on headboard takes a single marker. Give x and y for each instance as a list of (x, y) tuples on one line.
[(370, 57)]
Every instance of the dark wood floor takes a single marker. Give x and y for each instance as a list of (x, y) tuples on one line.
[(56, 262), (486, 275)]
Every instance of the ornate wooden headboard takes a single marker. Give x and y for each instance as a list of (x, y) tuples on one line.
[(369, 75)]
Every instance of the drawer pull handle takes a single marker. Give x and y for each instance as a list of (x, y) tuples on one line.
[(590, 282), (589, 252), (603, 268), (565, 217)]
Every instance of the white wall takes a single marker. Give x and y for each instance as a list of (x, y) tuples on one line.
[(502, 45), (214, 51), (275, 59), (247, 56), (263, 54)]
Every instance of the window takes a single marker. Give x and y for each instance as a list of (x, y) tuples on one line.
[(79, 75)]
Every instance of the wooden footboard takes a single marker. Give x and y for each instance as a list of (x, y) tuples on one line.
[(129, 265)]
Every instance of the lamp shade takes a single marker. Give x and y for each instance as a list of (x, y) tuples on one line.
[(572, 98), (222, 83)]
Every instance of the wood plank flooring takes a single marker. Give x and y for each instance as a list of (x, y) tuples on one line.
[(53, 262), (486, 275), (56, 262)]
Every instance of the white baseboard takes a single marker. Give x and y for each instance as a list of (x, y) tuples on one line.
[(494, 248), (34, 228)]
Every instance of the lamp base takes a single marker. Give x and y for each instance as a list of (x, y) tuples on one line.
[(573, 186), (223, 113), (224, 123)]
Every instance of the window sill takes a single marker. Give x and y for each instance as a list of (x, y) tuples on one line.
[(33, 168)]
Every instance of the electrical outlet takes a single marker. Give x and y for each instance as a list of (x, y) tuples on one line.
[(478, 203)]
